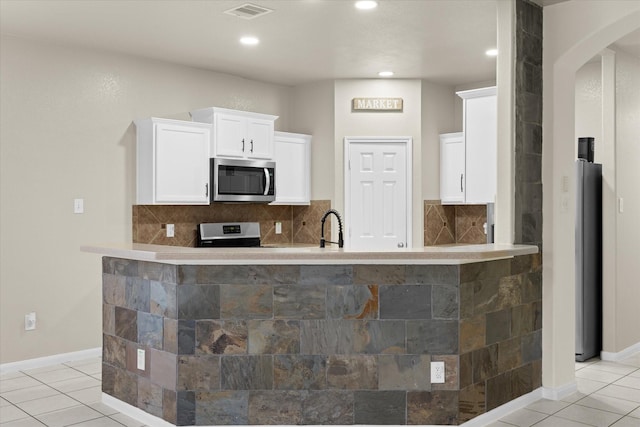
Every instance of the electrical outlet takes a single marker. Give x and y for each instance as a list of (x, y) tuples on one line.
[(141, 366), (437, 372), (171, 230), (30, 321)]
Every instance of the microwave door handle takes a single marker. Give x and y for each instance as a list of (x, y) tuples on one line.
[(268, 182)]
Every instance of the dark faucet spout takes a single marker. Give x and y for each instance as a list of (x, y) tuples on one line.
[(322, 221)]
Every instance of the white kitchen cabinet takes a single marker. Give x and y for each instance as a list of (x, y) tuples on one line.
[(452, 168), (480, 133), (293, 168), (172, 159), (238, 134), (479, 130)]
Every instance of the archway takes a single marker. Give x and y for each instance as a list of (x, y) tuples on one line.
[(564, 53)]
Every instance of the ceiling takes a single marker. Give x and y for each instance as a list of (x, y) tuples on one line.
[(443, 41), (301, 41)]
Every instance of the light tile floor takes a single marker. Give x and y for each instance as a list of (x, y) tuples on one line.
[(57, 396), (69, 395), (608, 395)]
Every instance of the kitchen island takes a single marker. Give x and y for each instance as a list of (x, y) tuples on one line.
[(303, 335)]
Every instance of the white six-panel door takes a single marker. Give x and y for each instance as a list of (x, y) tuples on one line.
[(377, 196)]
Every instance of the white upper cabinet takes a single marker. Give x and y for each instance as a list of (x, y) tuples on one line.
[(479, 179), (172, 158), (238, 134), (452, 168), (480, 133), (293, 168)]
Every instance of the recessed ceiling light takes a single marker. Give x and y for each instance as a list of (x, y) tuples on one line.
[(249, 41), (366, 4), (385, 73), (492, 52)]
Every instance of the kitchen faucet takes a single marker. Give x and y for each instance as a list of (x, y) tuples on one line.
[(340, 241)]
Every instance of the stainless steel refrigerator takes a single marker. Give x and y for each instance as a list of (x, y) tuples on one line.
[(588, 260)]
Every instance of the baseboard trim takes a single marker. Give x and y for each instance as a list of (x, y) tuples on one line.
[(616, 357), (559, 393), (133, 412), (41, 362), (499, 412)]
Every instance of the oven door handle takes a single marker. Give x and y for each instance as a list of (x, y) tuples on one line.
[(268, 181)]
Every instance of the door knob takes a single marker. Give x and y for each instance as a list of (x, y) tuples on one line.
[(401, 245)]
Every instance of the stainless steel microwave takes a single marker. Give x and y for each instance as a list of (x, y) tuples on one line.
[(243, 180)]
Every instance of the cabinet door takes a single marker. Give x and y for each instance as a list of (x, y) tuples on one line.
[(259, 139), (292, 154), (480, 130), (181, 164), (452, 171), (230, 139)]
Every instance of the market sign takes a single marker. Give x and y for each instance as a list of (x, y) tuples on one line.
[(376, 104)]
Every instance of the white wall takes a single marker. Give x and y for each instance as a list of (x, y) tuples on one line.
[(66, 132), (588, 96), (313, 114), (574, 32), (406, 123), (615, 78), (627, 124), (438, 116)]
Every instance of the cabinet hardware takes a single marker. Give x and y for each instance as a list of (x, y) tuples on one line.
[(251, 146), (461, 175), (243, 145), (206, 190)]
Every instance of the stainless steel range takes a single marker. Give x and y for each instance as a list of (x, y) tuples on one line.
[(229, 234)]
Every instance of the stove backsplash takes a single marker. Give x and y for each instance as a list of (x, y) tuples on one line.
[(300, 224), (447, 224)]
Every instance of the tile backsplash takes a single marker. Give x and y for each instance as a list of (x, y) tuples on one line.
[(300, 224), (443, 224), (447, 224)]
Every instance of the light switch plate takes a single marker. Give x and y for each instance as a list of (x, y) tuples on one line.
[(78, 206), (171, 230)]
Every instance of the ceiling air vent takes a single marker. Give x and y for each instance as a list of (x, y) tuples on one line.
[(248, 11)]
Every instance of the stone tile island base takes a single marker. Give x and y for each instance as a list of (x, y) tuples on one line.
[(321, 344)]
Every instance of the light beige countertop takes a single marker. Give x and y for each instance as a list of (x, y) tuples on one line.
[(300, 254)]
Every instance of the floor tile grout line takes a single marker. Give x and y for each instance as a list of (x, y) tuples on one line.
[(550, 416), (623, 376), (60, 392), (84, 421), (51, 386), (37, 420), (577, 402), (618, 419)]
